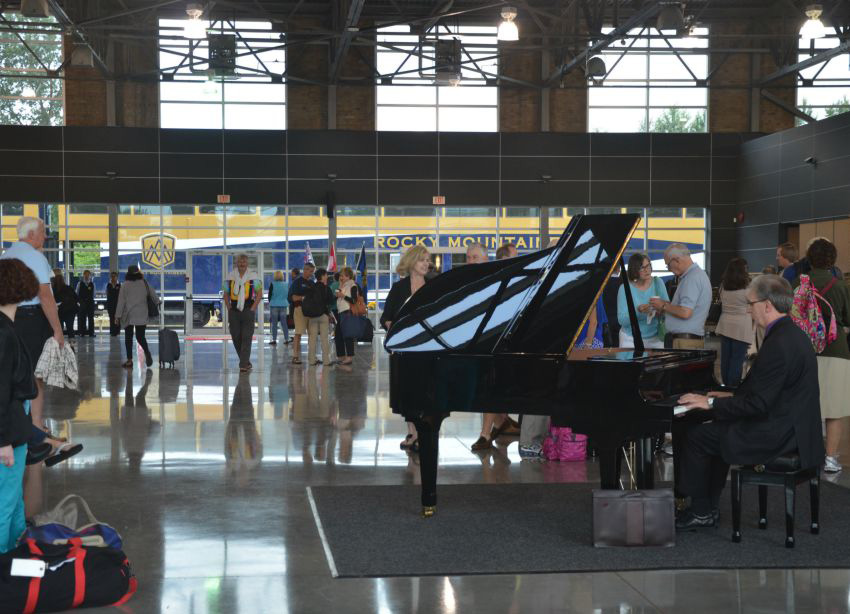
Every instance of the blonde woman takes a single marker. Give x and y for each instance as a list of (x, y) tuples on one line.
[(412, 267)]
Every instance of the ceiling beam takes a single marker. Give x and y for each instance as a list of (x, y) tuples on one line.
[(349, 29), (638, 19), (816, 59), (786, 107)]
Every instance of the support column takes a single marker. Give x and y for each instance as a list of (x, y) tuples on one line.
[(331, 107), (112, 210), (544, 227)]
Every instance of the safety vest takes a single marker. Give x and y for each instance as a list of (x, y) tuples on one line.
[(249, 292)]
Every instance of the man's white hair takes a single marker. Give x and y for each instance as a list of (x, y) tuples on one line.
[(26, 225), (677, 250), (476, 246)]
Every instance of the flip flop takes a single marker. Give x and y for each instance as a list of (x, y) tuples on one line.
[(52, 436), (64, 452)]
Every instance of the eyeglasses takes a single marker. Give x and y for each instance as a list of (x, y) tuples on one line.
[(646, 267), (671, 261), (751, 303)]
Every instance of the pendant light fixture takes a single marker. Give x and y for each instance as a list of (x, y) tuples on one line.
[(507, 29), (813, 28), (195, 28)]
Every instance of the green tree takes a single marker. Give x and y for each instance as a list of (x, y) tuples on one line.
[(675, 119), (27, 98), (842, 105)]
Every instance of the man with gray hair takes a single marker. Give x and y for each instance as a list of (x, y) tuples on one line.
[(476, 253), (243, 292), (684, 316), (38, 319), (775, 410)]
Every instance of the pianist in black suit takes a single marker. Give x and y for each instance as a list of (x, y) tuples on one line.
[(413, 268), (776, 409)]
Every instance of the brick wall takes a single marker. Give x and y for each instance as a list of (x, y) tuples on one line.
[(519, 107), (85, 93), (307, 104), (355, 104)]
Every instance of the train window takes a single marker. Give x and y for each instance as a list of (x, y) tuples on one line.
[(408, 211), (695, 212), (470, 212), (7, 209), (664, 212), (522, 212), (571, 211), (87, 209), (348, 210), (229, 209), (556, 212), (309, 211), (272, 211)]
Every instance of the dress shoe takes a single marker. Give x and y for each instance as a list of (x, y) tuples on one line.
[(689, 521), (482, 444)]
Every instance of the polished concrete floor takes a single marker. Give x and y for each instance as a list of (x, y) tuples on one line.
[(203, 471)]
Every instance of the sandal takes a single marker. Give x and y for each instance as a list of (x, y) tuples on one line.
[(63, 452), (414, 447), (52, 436), (404, 445), (38, 452)]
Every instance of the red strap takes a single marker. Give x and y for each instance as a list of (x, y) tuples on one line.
[(79, 553), (35, 583), (131, 590), (829, 285)]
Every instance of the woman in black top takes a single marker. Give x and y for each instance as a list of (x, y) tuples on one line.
[(17, 388), (413, 267)]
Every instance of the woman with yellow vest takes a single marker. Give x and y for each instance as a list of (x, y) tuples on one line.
[(243, 292)]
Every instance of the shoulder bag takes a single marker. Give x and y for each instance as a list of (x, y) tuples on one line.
[(153, 308)]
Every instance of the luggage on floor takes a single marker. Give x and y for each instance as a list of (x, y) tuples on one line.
[(64, 577), (169, 347), (71, 518), (634, 518), (368, 332)]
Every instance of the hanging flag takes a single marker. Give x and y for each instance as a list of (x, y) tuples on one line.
[(308, 255), (332, 259), (361, 268)]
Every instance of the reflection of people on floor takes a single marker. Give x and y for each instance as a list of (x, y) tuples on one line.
[(136, 422), (243, 446), (350, 390), (278, 389), (313, 413)]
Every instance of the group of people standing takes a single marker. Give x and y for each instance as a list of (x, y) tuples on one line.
[(316, 302)]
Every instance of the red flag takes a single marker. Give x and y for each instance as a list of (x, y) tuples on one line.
[(332, 259)]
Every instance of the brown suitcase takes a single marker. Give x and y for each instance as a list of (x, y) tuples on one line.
[(634, 518)]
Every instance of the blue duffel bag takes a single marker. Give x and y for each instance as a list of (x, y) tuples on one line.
[(72, 518)]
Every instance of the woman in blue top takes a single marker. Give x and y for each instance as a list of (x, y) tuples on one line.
[(278, 306), (643, 287), (592, 334)]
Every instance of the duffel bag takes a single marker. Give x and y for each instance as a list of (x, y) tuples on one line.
[(72, 517), (75, 576)]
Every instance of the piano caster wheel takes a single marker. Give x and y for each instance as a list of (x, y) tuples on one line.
[(428, 511)]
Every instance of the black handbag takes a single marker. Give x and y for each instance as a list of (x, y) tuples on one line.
[(634, 518), (153, 308)]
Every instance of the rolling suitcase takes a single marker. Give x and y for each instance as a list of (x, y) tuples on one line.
[(169, 347)]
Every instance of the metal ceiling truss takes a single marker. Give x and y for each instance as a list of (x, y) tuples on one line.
[(570, 30)]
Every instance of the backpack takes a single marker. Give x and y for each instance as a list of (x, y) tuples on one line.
[(807, 314), (314, 303)]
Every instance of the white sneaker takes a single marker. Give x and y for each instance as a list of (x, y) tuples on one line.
[(831, 465)]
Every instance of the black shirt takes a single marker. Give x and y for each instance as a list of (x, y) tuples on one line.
[(16, 386)]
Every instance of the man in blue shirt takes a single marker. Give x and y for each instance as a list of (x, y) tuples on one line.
[(37, 319), (684, 316), (296, 293)]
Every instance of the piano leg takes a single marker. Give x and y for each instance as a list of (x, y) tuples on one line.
[(428, 431), (609, 464)]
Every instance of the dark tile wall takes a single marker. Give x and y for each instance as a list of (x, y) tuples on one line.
[(363, 168), (777, 187)]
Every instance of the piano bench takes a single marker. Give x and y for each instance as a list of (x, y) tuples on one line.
[(784, 471)]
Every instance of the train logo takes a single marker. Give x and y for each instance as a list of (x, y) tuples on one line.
[(158, 249)]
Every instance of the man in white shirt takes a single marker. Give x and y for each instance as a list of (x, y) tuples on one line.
[(38, 319)]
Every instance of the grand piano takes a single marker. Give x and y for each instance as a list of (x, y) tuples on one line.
[(500, 337)]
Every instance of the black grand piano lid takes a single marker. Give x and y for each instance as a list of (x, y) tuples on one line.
[(535, 303)]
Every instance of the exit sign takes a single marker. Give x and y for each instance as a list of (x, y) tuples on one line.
[(438, 200), (223, 199)]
